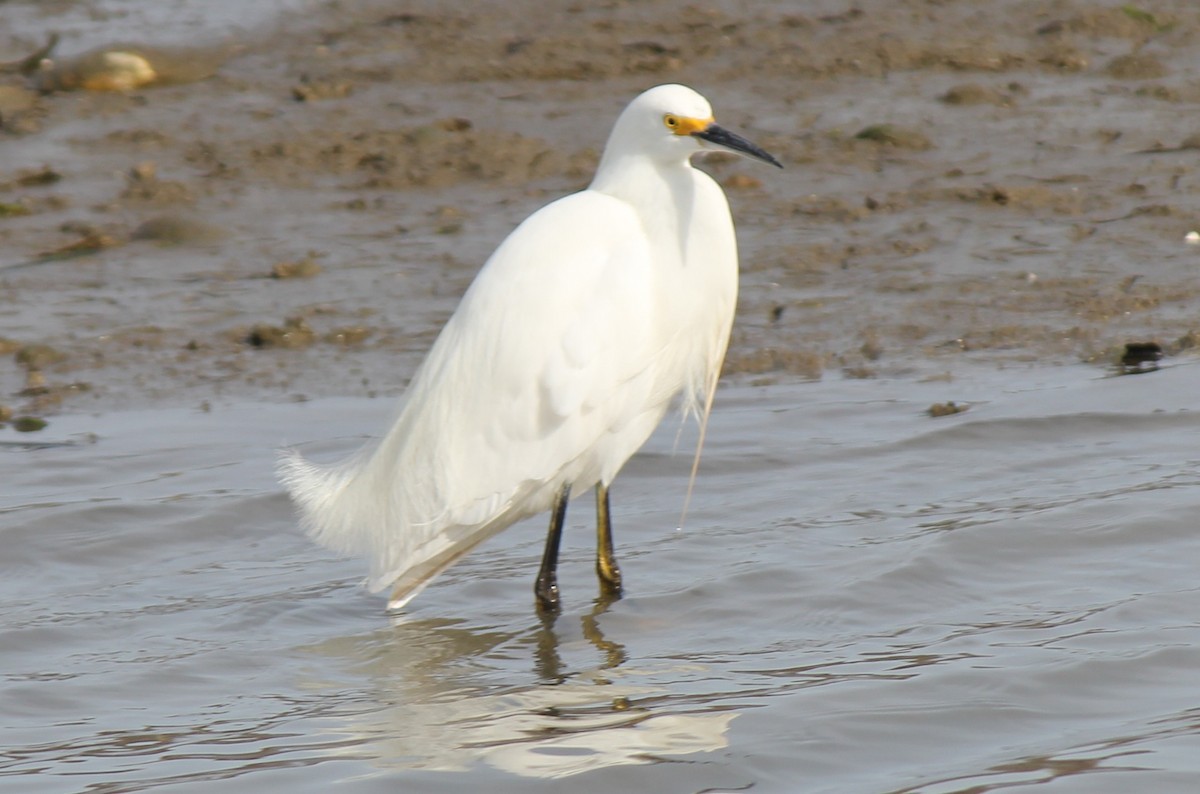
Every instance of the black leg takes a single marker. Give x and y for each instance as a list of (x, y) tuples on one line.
[(606, 562), (546, 587)]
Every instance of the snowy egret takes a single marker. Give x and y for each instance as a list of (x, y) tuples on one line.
[(562, 357)]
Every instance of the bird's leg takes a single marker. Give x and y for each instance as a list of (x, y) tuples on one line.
[(606, 562), (546, 587)]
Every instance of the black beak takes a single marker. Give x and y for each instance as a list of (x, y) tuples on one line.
[(735, 143)]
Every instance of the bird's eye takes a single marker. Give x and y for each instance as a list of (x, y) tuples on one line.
[(671, 121)]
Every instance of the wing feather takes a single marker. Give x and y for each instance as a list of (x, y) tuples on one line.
[(543, 359)]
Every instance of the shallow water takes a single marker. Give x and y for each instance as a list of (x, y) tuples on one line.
[(864, 599)]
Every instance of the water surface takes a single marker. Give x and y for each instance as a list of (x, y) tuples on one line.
[(864, 599)]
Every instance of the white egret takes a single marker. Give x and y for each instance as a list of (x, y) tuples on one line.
[(561, 359)]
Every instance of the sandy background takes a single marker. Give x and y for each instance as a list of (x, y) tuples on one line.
[(291, 208)]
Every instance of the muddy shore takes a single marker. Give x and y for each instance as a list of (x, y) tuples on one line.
[(292, 211)]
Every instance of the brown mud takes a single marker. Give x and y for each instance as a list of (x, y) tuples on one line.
[(294, 214)]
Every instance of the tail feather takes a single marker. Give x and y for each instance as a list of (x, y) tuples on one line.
[(338, 513), (319, 492), (353, 508)]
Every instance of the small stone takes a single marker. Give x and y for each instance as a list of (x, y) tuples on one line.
[(176, 230), (1138, 353), (894, 136), (974, 94), (46, 176), (36, 357), (1136, 67), (28, 424), (145, 171), (89, 243), (35, 383), (293, 334), (304, 268), (315, 90), (946, 409)]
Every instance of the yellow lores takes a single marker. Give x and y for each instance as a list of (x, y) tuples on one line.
[(563, 356), (682, 125)]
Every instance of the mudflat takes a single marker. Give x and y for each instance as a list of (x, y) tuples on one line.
[(291, 208)]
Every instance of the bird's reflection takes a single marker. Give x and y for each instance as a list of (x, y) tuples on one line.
[(442, 694), (548, 662), (611, 651)]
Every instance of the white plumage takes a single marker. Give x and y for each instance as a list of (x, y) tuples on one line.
[(559, 362)]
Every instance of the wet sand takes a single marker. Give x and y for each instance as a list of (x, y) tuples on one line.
[(987, 183), (937, 544)]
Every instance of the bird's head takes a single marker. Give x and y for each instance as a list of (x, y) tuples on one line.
[(672, 122)]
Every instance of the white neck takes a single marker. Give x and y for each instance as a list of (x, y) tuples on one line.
[(648, 184)]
